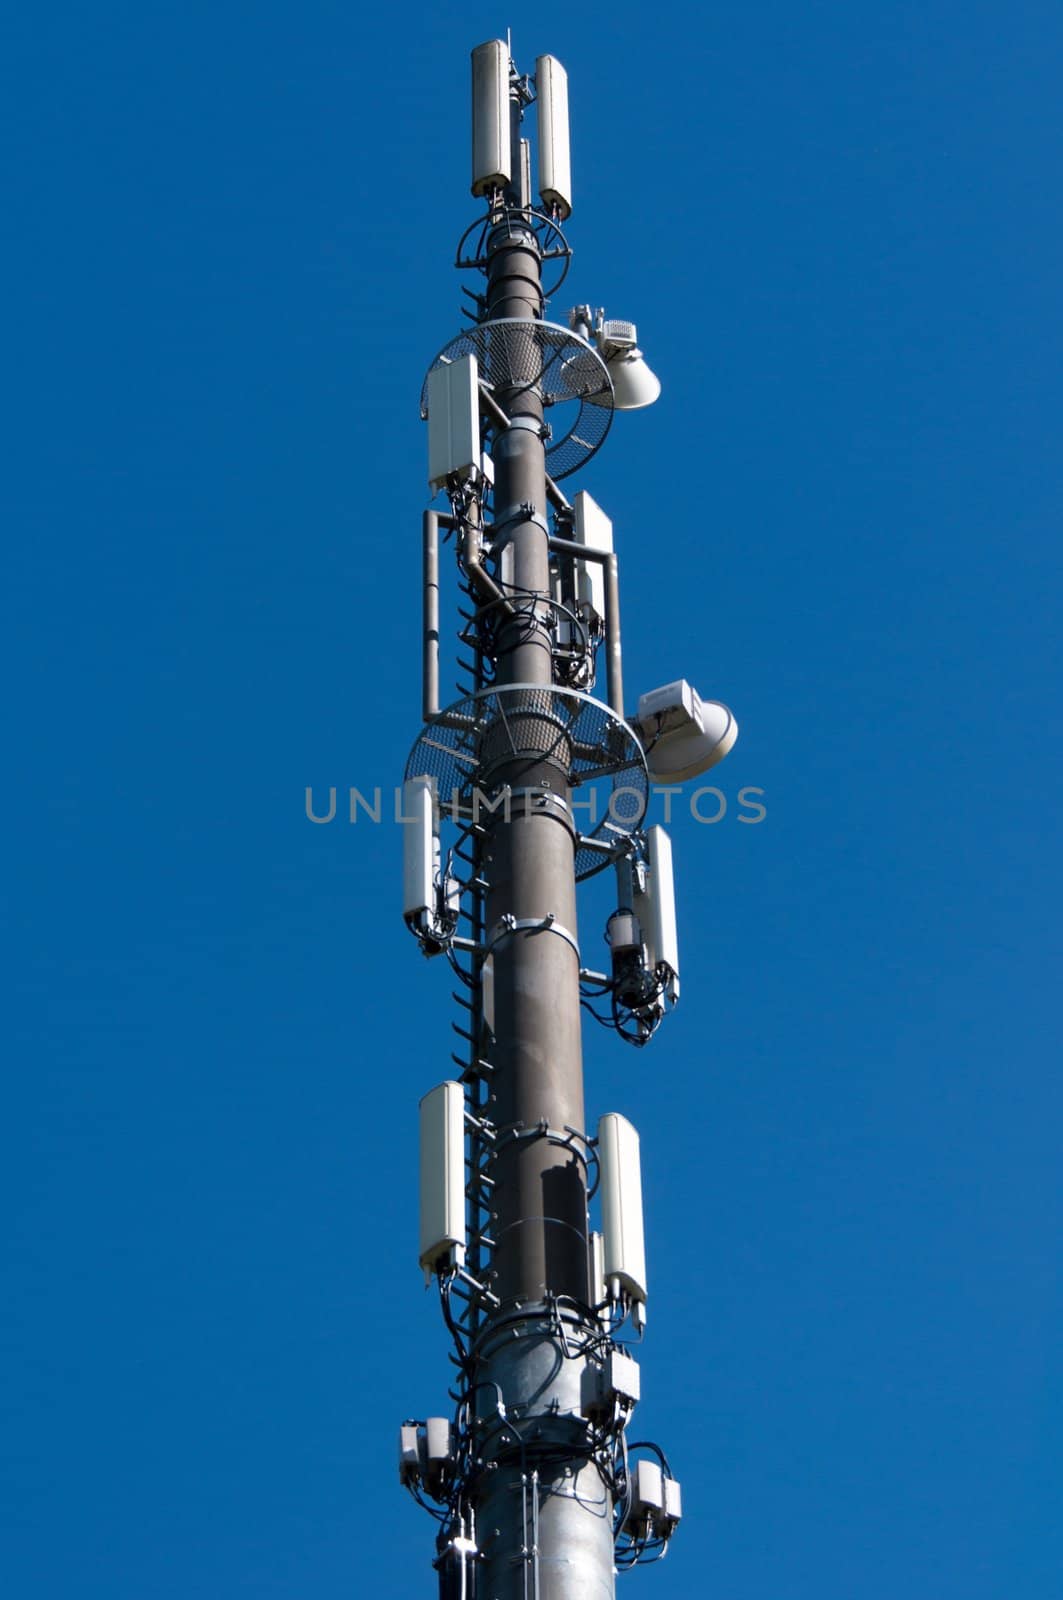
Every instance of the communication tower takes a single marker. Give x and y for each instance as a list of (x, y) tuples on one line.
[(516, 792)]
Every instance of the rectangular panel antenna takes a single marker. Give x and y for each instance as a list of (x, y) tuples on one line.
[(442, 1176), (625, 1249), (525, 175), (655, 908), (420, 846), (454, 448), (597, 1255), (555, 167), (492, 160), (647, 1499), (409, 1453), (591, 527)]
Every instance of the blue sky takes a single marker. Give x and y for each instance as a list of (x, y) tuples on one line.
[(228, 265)]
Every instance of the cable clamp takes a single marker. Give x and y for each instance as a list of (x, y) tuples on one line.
[(522, 514), (508, 924)]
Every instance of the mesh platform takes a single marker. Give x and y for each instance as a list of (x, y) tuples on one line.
[(565, 370), (606, 765)]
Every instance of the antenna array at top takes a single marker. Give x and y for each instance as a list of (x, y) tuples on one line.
[(498, 98)]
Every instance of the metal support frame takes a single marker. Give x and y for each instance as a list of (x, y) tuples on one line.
[(613, 662)]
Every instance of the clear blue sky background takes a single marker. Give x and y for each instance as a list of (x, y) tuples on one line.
[(228, 240)]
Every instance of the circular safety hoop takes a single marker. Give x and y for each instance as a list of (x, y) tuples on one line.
[(555, 252)]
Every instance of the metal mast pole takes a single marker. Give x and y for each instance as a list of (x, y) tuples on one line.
[(540, 1232), (540, 1496)]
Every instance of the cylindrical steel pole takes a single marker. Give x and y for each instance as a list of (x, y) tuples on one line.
[(544, 1513)]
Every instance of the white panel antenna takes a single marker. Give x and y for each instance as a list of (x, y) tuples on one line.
[(420, 847), (492, 159), (597, 1268), (673, 1500), (647, 1498), (409, 1453), (654, 905), (555, 164), (625, 1250), (453, 400), (591, 527), (443, 1177), (525, 174)]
